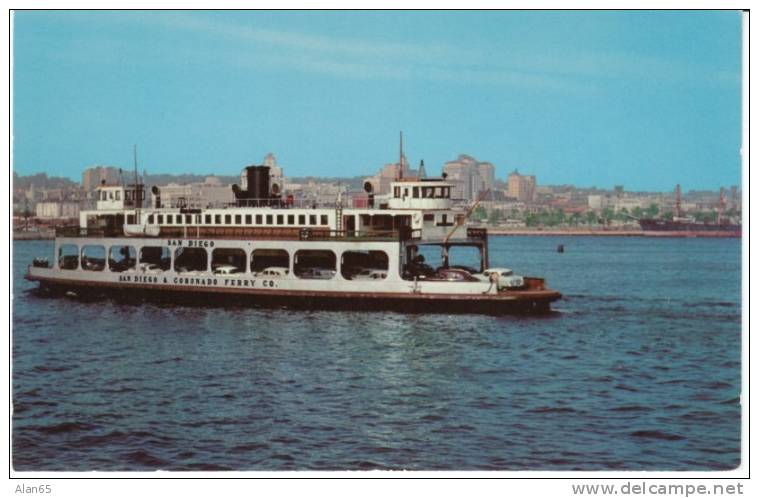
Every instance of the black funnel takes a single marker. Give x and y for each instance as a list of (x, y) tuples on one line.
[(258, 182)]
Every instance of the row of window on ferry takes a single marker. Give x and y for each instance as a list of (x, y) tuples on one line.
[(422, 192), (111, 195), (309, 264), (239, 219)]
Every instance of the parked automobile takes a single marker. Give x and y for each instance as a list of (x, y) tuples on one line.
[(149, 268), (370, 274), (316, 273), (273, 272), (69, 262), (94, 264), (505, 276), (226, 270), (453, 275)]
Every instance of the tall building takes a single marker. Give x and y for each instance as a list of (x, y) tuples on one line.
[(381, 181), (210, 193), (54, 209), (470, 177), (276, 178), (96, 175), (522, 187)]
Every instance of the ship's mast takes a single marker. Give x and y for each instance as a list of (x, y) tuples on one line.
[(137, 194), (721, 205), (400, 160), (678, 202)]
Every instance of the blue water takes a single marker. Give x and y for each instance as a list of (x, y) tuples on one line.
[(638, 368)]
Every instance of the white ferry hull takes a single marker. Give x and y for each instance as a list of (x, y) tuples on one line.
[(228, 290)]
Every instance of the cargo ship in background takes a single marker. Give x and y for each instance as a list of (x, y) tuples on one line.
[(680, 226)]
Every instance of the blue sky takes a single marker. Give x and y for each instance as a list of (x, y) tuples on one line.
[(643, 99)]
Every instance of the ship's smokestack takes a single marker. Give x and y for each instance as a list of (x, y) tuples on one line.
[(255, 189)]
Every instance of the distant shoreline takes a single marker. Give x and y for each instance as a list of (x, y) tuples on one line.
[(570, 231), (36, 235), (605, 233)]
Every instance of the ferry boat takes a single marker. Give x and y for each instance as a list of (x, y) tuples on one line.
[(267, 250)]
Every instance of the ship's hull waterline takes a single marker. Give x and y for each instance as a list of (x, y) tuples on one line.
[(509, 302)]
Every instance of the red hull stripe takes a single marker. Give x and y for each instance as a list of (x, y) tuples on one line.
[(511, 296)]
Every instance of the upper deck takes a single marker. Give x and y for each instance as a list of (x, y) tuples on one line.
[(415, 209)]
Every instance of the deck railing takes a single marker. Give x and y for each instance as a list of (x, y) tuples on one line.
[(77, 231), (275, 233), (477, 233), (311, 234)]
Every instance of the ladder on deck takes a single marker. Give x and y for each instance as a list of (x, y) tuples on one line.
[(339, 215)]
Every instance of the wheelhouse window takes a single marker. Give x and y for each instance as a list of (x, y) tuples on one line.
[(154, 258), (364, 265), (415, 191), (315, 264), (396, 192), (122, 258), (190, 259), (263, 259), (228, 261), (443, 221), (68, 257)]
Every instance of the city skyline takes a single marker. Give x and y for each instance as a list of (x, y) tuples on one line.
[(327, 92)]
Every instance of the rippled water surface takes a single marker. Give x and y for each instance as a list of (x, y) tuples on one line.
[(638, 368)]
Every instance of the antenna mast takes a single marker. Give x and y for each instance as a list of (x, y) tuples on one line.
[(678, 202), (137, 190), (400, 162), (721, 205)]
